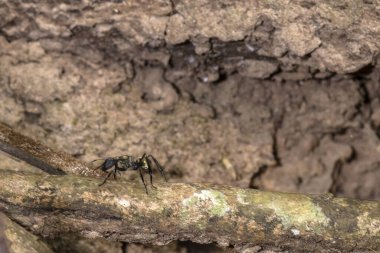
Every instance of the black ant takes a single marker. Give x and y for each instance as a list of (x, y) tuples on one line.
[(112, 165)]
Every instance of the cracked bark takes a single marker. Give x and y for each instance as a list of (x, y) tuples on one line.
[(15, 239), (308, 33), (119, 210)]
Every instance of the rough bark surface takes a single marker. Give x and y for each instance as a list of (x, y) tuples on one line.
[(38, 155), (265, 108), (327, 34), (54, 205), (273, 95), (15, 239)]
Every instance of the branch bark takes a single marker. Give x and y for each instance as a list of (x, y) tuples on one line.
[(15, 239), (41, 156), (53, 205)]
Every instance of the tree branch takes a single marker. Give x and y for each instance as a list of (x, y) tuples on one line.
[(41, 156), (53, 205), (15, 239)]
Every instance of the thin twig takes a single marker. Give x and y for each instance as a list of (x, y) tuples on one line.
[(39, 155)]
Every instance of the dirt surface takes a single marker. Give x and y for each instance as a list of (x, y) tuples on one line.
[(273, 95)]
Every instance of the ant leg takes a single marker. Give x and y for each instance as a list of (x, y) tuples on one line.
[(142, 179), (96, 168), (115, 171), (99, 167), (150, 172), (159, 167), (109, 174)]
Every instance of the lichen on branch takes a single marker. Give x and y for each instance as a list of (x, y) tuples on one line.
[(121, 210)]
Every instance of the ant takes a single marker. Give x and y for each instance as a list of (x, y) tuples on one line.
[(114, 165)]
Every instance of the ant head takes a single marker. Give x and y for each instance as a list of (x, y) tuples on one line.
[(144, 164)]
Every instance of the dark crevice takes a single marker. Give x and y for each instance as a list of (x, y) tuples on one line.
[(256, 176)]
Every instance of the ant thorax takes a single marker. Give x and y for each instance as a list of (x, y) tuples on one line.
[(125, 163)]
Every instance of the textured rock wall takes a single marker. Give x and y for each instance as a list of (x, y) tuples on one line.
[(277, 95)]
